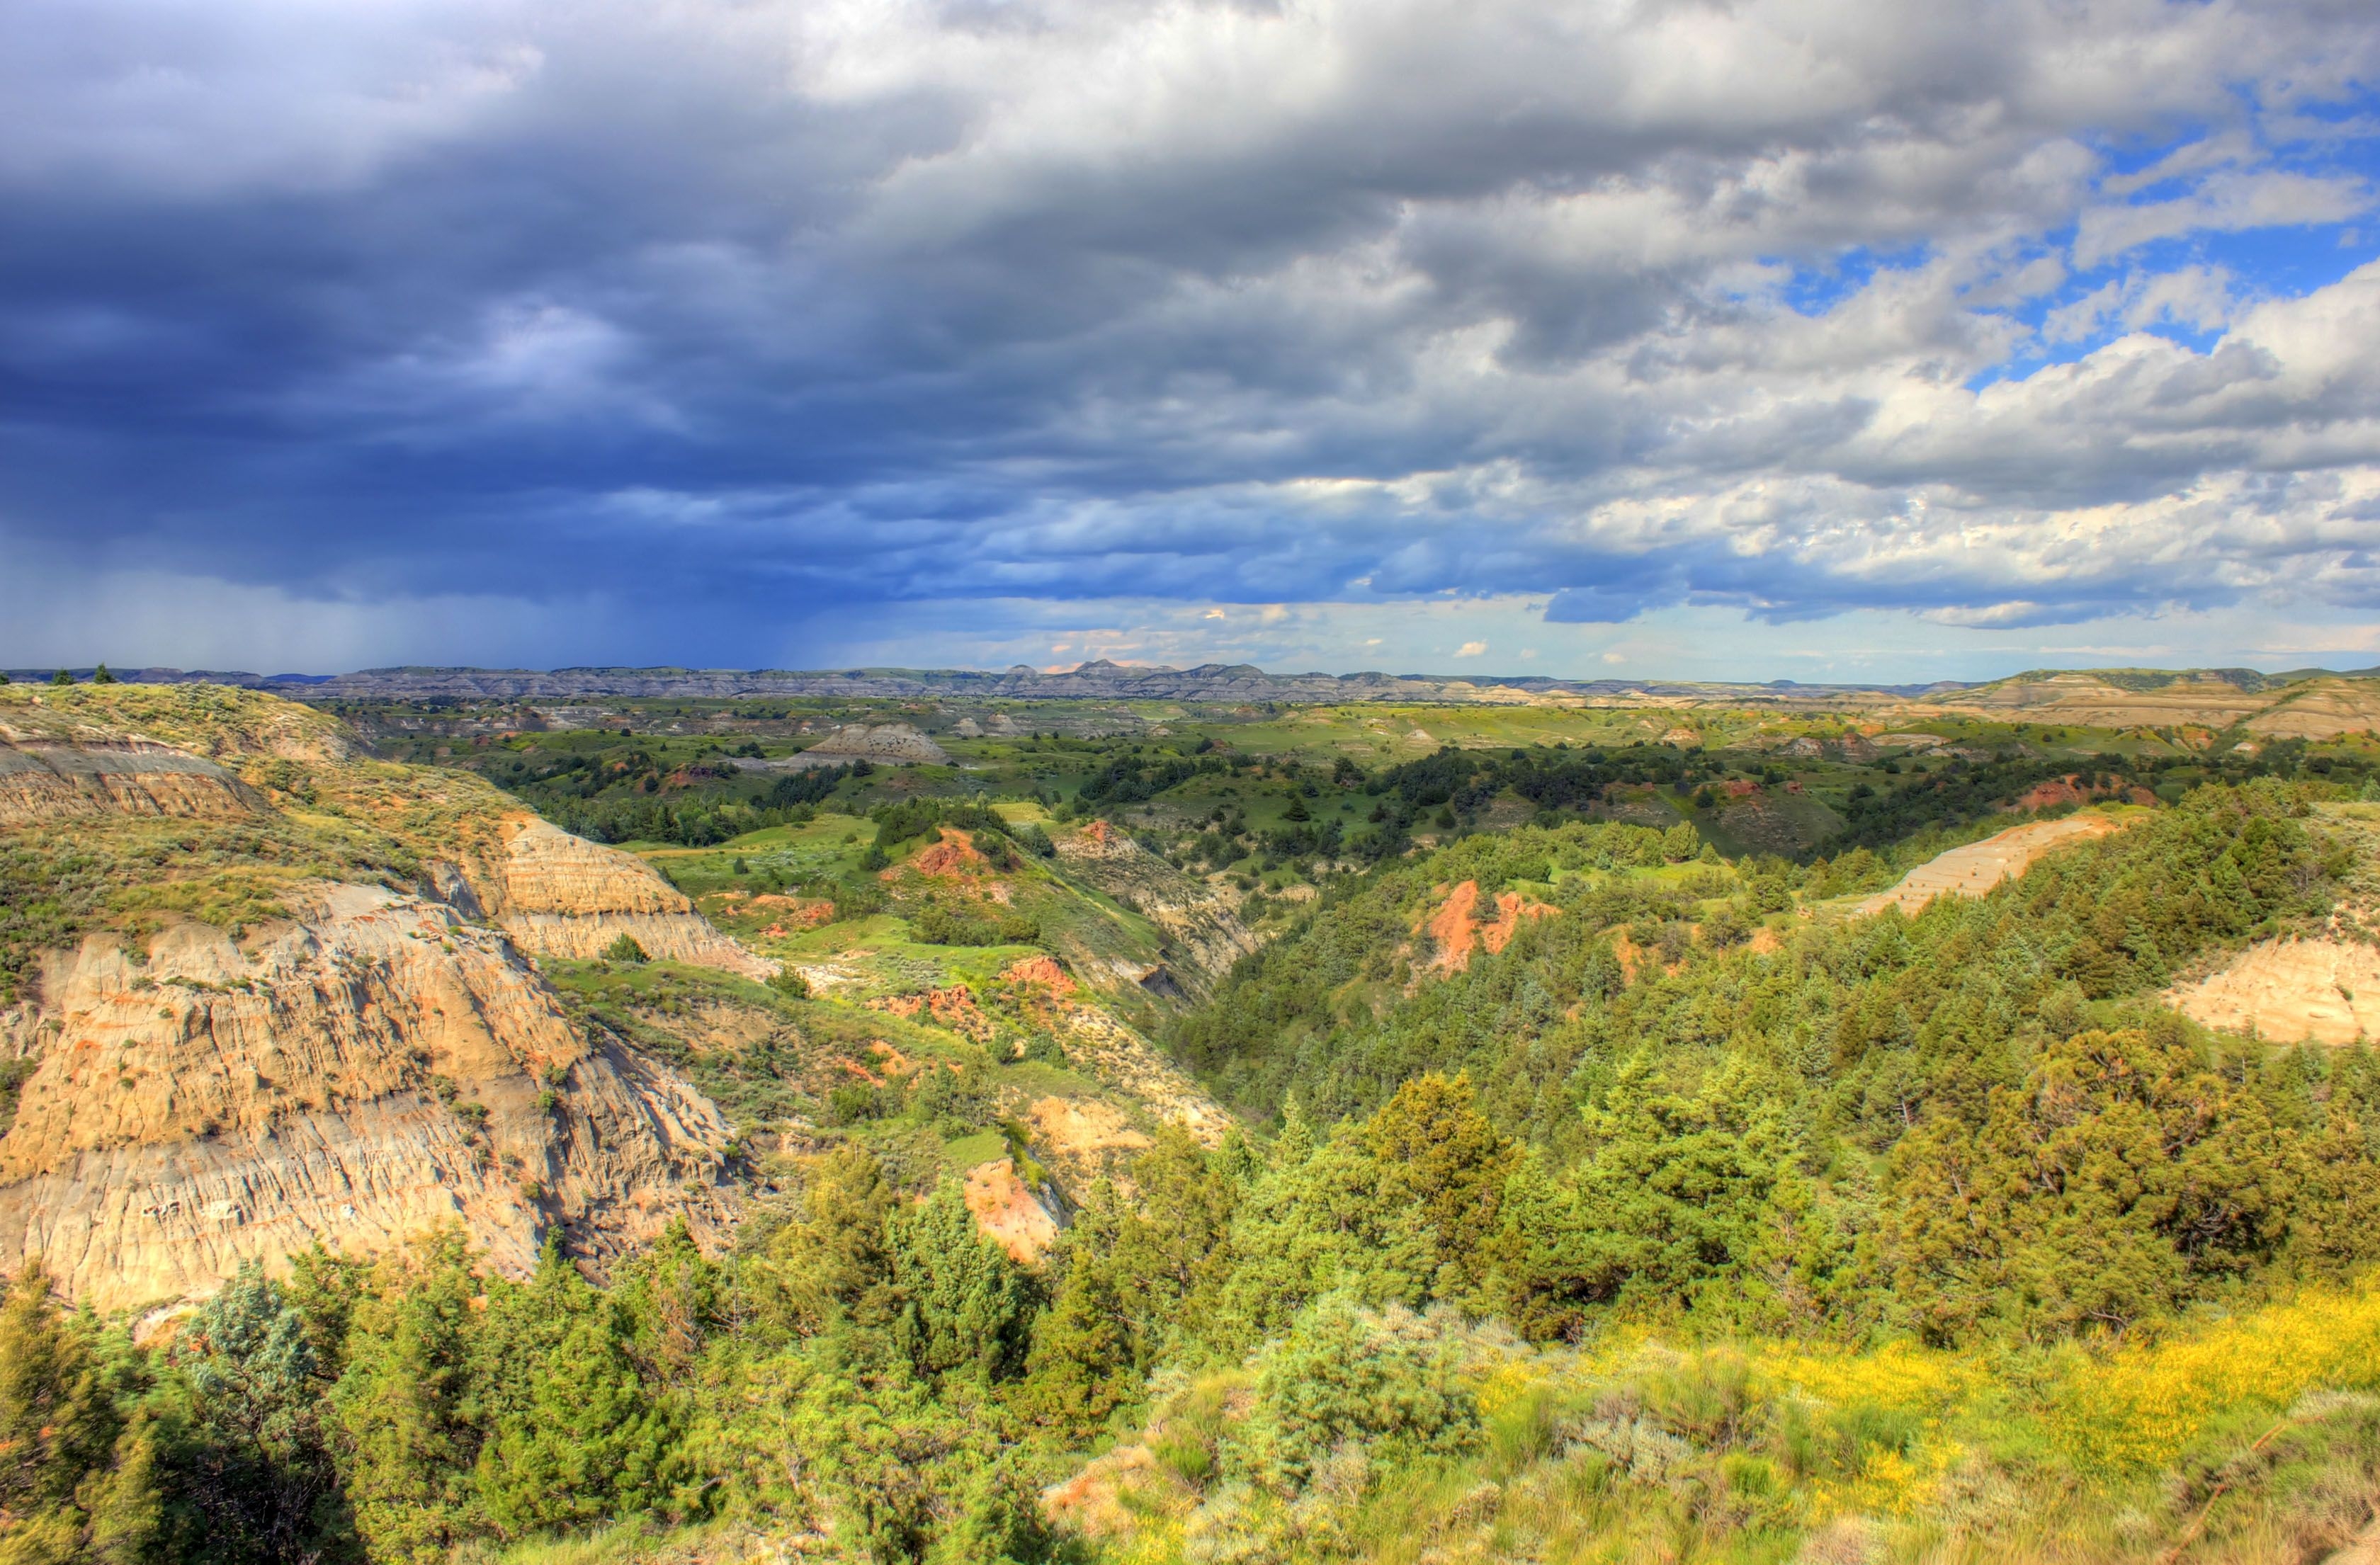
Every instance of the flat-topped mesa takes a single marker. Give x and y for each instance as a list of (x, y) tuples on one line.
[(368, 1070)]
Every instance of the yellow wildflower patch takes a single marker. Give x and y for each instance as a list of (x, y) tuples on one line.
[(2142, 1406)]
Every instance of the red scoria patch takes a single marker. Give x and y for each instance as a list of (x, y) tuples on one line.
[(952, 858), (1511, 909), (1042, 970), (953, 1007), (1456, 926)]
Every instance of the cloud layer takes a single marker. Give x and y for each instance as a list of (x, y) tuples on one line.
[(726, 331)]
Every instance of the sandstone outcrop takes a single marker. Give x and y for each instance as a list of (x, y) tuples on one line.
[(2321, 708), (1105, 1048), (2098, 702), (369, 1069), (355, 1048), (2290, 991), (561, 895), (896, 744)]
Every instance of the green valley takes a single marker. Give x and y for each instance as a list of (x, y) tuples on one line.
[(1152, 1131)]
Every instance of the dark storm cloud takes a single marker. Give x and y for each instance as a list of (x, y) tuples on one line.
[(772, 309)]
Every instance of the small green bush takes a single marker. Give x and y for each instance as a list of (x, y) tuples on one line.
[(1346, 1373)]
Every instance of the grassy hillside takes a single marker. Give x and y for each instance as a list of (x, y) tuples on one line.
[(328, 811)]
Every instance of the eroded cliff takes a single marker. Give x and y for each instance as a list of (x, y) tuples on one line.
[(1203, 935), (263, 990), (369, 1069)]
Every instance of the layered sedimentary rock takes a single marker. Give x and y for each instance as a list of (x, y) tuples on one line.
[(2322, 709), (357, 1049), (368, 1069), (42, 781), (895, 743), (561, 895)]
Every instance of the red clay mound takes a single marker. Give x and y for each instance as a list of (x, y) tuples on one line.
[(953, 1007), (953, 856), (1456, 926), (1453, 926), (2072, 790), (1041, 970), (1511, 909), (1009, 1214), (2058, 791)]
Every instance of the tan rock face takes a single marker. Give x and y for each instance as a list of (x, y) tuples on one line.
[(561, 895), (1072, 1127), (1111, 1052), (2290, 991), (364, 1062), (368, 1071), (1974, 870), (2322, 709), (2089, 700)]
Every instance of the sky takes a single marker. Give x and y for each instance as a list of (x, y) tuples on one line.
[(1737, 339)]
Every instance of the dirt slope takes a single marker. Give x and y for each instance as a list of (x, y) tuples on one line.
[(2290, 991), (1974, 870), (1203, 936)]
